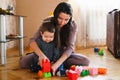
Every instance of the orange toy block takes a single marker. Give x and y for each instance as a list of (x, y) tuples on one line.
[(40, 73), (102, 70)]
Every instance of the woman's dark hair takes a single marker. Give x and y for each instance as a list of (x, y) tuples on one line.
[(62, 7), (64, 32)]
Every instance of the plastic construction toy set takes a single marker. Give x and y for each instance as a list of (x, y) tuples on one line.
[(45, 72), (76, 71), (99, 51), (73, 73)]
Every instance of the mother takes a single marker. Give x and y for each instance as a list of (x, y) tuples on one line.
[(65, 39)]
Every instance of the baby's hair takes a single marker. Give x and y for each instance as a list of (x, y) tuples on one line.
[(47, 26)]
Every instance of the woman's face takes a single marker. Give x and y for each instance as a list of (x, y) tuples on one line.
[(63, 19)]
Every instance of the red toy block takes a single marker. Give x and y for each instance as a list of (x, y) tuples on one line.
[(72, 75), (72, 67), (102, 70), (45, 65)]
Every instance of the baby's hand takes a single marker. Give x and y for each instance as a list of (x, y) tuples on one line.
[(45, 58), (41, 58)]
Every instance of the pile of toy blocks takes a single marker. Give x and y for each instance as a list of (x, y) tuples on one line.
[(45, 72), (76, 71)]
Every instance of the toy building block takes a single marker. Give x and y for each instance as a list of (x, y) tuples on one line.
[(96, 49), (46, 74), (40, 73), (85, 67), (45, 69), (58, 73), (62, 71), (72, 75), (102, 70), (72, 67), (101, 52), (61, 67), (45, 65), (93, 71), (84, 73), (78, 69)]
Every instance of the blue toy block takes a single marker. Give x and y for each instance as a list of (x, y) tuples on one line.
[(62, 71), (96, 49)]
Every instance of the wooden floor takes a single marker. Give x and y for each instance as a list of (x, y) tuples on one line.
[(12, 71)]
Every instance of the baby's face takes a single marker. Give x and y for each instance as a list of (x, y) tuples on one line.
[(47, 36)]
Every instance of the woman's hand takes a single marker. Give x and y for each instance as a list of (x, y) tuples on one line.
[(54, 68)]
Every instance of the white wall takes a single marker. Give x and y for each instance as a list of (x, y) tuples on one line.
[(35, 11)]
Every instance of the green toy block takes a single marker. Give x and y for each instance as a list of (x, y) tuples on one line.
[(101, 52), (84, 73), (47, 74)]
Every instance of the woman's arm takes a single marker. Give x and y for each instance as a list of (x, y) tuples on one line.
[(72, 38), (55, 66), (69, 49)]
